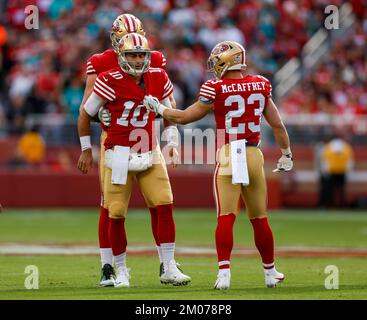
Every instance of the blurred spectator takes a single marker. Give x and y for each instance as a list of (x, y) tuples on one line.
[(323, 176), (32, 147), (337, 159), (38, 67), (73, 96)]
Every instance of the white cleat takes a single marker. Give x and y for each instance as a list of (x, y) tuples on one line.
[(122, 278), (174, 276), (273, 277), (223, 280)]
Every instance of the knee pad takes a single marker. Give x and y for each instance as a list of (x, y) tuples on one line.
[(117, 210)]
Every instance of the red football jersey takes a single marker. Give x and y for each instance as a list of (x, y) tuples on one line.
[(238, 106), (101, 62), (132, 124)]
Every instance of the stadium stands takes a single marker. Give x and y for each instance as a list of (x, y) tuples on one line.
[(43, 70)]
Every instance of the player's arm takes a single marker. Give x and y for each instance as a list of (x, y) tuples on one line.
[(172, 135), (172, 103), (272, 116), (89, 83), (89, 110), (195, 112)]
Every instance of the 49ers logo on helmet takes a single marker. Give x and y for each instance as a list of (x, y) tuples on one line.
[(221, 48), (115, 26), (121, 43)]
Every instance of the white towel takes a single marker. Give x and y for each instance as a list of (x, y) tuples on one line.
[(239, 163), (120, 165)]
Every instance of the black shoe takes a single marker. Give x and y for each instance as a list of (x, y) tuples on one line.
[(107, 276), (161, 269)]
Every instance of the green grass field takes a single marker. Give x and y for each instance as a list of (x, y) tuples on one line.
[(76, 277)]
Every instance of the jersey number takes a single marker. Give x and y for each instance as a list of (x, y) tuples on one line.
[(241, 111), (134, 119)]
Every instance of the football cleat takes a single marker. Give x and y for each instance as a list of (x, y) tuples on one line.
[(122, 278), (273, 277), (174, 276), (223, 280), (161, 268), (107, 276)]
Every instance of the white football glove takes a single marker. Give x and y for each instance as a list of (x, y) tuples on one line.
[(151, 103), (285, 163), (104, 116)]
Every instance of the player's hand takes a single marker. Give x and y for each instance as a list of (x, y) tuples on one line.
[(174, 157), (151, 103), (85, 161), (285, 163), (104, 115)]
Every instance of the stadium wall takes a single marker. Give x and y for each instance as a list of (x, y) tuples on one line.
[(192, 187)]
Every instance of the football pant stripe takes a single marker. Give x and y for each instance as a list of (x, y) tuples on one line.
[(215, 189)]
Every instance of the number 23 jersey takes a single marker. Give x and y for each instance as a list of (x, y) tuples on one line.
[(238, 106), (131, 123)]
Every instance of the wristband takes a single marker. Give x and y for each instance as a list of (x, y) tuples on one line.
[(161, 109), (85, 143), (286, 151)]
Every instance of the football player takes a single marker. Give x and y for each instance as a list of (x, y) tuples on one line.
[(238, 101), (131, 151), (98, 63)]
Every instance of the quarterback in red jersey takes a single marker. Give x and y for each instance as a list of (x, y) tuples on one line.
[(238, 101), (121, 90), (97, 64)]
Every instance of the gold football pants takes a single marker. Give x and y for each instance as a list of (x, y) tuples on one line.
[(227, 195), (153, 182)]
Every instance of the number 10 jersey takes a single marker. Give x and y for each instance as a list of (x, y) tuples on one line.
[(132, 125)]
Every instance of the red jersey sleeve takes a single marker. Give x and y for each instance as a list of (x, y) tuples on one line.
[(158, 60), (268, 87), (101, 62), (207, 92), (93, 65), (167, 86), (102, 87)]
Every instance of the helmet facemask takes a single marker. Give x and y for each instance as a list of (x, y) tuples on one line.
[(132, 66), (136, 44)]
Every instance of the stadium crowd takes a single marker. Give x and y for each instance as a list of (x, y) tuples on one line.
[(338, 86), (43, 70)]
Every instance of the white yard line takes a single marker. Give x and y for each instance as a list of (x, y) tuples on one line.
[(44, 249)]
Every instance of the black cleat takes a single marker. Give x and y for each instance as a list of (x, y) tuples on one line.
[(107, 276), (161, 269)]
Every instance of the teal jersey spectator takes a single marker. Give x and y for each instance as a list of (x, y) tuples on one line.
[(57, 7), (73, 96)]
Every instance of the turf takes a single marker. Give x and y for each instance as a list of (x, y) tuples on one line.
[(76, 277), (193, 227)]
